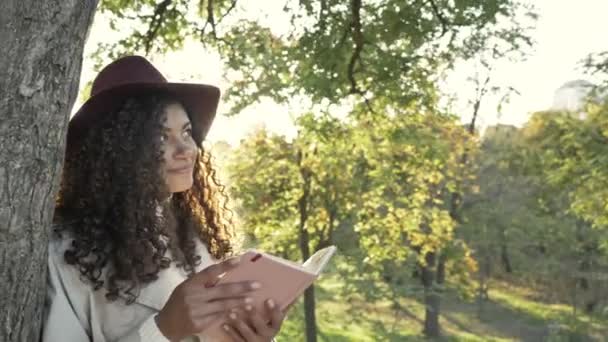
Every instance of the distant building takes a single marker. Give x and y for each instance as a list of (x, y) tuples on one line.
[(572, 96)]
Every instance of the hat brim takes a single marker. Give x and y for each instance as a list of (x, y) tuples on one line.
[(199, 100)]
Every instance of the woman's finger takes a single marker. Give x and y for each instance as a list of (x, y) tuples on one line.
[(276, 315), (259, 322), (210, 275), (224, 291), (233, 333), (242, 327), (220, 306), (200, 323)]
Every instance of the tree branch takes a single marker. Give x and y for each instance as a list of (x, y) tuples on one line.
[(444, 22), (358, 41), (211, 21), (357, 34), (155, 23), (232, 6), (481, 92), (322, 13), (210, 18)]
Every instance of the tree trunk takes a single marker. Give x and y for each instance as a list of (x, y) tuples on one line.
[(585, 267), (431, 298), (309, 314), (441, 269), (309, 294), (483, 276), (504, 256), (40, 64)]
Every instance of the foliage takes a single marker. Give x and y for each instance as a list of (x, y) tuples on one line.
[(263, 176), (414, 162), (572, 152), (531, 215), (379, 191), (332, 49), (266, 175)]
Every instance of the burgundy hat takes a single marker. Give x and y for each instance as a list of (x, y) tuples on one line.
[(135, 75)]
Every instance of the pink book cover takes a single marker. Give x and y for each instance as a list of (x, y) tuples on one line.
[(282, 280)]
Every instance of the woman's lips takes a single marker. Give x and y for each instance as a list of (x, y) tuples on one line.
[(182, 170)]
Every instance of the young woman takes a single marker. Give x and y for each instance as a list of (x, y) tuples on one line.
[(141, 223)]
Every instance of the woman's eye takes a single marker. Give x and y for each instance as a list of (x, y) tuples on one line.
[(188, 132), (163, 138)]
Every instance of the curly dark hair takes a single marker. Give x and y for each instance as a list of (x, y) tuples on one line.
[(114, 203)]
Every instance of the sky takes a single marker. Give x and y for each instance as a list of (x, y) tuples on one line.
[(565, 33)]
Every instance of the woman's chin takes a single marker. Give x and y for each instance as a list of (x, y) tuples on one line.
[(180, 186)]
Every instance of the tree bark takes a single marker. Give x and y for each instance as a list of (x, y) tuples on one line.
[(309, 294), (40, 65), (483, 276), (431, 297), (585, 266), (504, 255)]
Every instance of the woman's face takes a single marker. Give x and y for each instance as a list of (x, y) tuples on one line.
[(180, 150)]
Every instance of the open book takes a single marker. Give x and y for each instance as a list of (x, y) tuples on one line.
[(282, 280)]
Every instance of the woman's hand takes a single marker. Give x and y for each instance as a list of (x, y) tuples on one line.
[(196, 303), (252, 326)]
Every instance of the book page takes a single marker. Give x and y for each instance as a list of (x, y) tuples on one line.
[(317, 261)]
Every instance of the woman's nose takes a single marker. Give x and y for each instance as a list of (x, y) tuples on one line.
[(183, 150)]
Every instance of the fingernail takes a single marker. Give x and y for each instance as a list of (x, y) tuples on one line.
[(232, 315), (255, 285), (248, 307), (248, 300), (234, 261), (270, 303), (226, 327)]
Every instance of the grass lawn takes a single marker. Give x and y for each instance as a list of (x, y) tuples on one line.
[(509, 315)]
